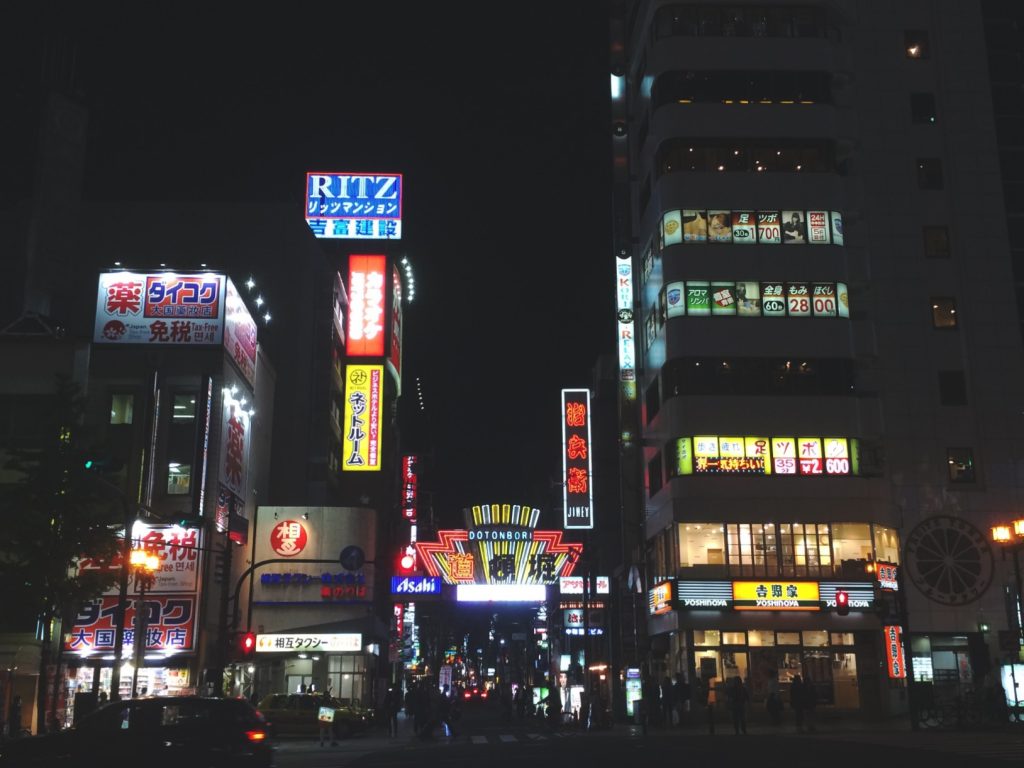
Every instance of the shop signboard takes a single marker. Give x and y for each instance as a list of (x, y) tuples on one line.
[(777, 595), (416, 585), (170, 624), (577, 460), (354, 206), (240, 334), (365, 306), (163, 308), (761, 455), (361, 449), (178, 549), (887, 575), (501, 546), (659, 598), (294, 642), (573, 585), (893, 638)]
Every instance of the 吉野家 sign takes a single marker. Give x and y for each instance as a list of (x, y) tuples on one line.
[(364, 388), (162, 308), (577, 460), (776, 596), (284, 643), (887, 576), (415, 585), (354, 206), (894, 652)]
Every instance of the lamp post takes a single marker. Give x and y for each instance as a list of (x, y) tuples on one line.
[(145, 565), (1011, 536)]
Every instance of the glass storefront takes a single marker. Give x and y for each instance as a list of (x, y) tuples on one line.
[(826, 659)]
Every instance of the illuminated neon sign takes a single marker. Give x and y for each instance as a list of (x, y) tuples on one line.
[(501, 546), (354, 206), (577, 460), (776, 596), (756, 455), (409, 490), (894, 652), (361, 441), (365, 306)]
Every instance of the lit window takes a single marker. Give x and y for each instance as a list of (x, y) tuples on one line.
[(184, 407), (121, 407), (961, 465), (179, 478), (943, 312), (915, 43)]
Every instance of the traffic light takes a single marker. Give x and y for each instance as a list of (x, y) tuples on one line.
[(406, 562), (842, 602), (246, 645)]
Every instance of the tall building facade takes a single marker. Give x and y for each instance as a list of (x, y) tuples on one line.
[(819, 350)]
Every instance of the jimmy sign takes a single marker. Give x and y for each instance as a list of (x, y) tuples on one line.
[(577, 488), (354, 206)]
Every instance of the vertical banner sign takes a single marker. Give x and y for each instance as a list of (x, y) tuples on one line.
[(361, 440), (234, 446), (395, 348), (240, 334), (624, 307), (365, 306), (894, 652), (577, 488), (409, 490)]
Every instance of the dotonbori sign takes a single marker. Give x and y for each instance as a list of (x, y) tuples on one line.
[(500, 546), (577, 460), (354, 206)]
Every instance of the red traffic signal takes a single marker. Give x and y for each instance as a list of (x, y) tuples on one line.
[(406, 563), (247, 644), (842, 602)]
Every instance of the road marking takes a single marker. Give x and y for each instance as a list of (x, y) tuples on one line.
[(479, 739), (507, 737)]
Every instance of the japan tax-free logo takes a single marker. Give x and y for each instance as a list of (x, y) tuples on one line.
[(288, 538)]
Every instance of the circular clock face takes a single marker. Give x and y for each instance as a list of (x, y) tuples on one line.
[(949, 560)]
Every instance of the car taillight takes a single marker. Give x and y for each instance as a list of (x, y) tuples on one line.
[(466, 695), (483, 694), (256, 735)]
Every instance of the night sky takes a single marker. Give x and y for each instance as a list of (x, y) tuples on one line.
[(499, 122)]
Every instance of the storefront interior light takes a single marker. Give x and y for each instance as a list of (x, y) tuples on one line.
[(1018, 528)]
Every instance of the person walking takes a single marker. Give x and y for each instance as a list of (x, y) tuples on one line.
[(710, 702), (810, 702), (392, 703), (773, 702), (668, 706), (681, 697), (738, 705), (14, 718), (796, 701)]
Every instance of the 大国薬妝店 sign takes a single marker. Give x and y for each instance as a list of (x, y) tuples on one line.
[(170, 624)]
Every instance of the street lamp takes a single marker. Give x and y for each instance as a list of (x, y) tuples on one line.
[(1011, 536), (144, 565)]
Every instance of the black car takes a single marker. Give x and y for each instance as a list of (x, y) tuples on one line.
[(162, 731)]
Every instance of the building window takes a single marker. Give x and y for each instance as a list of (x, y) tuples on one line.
[(961, 465), (943, 312), (184, 407), (936, 242), (915, 43), (851, 543), (652, 400), (121, 408), (929, 173), (747, 155), (952, 388), (179, 478), (922, 107), (887, 544), (701, 544), (654, 475)]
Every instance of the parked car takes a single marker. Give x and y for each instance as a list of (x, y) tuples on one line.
[(298, 714), (160, 731)]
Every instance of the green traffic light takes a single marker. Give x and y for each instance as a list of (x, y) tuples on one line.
[(88, 463)]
